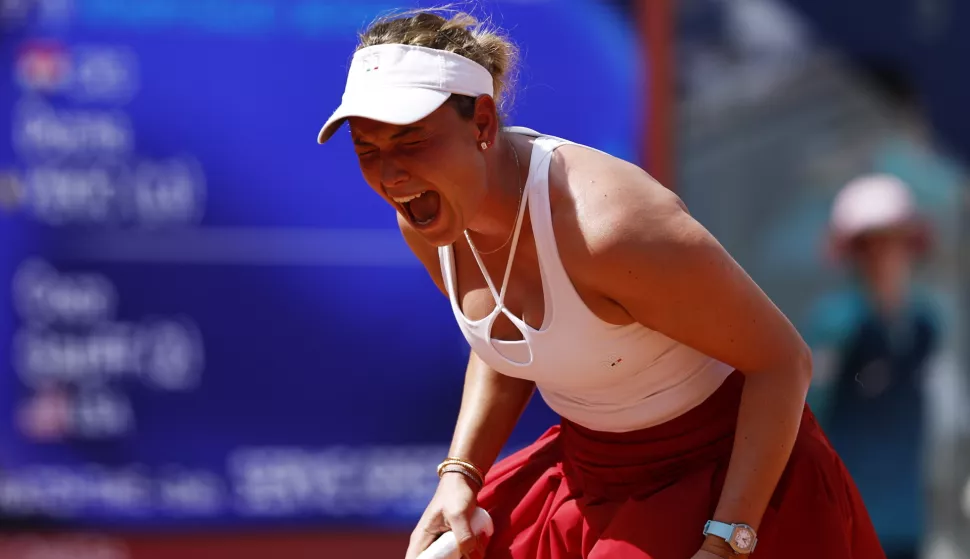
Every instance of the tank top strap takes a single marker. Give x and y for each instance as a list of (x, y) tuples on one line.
[(446, 262), (446, 253), (557, 287)]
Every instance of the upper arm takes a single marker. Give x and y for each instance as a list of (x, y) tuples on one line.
[(426, 253), (671, 275)]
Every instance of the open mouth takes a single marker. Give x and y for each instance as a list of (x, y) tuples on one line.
[(422, 208)]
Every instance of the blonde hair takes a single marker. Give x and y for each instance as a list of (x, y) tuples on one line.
[(452, 31)]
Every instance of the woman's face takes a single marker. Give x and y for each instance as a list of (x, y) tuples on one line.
[(432, 172)]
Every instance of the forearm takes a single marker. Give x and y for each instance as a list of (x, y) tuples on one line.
[(491, 405), (768, 421)]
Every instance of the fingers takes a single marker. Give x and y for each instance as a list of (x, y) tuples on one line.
[(459, 521), (479, 548), (421, 538)]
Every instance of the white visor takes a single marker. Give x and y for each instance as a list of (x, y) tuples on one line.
[(402, 84)]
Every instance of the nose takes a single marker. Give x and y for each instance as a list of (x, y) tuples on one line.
[(393, 174)]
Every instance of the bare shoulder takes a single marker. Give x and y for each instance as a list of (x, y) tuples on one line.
[(601, 204), (626, 240), (426, 253)]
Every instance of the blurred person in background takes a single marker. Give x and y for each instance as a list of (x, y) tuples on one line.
[(681, 386), (872, 344)]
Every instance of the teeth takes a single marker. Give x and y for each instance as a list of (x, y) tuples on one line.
[(406, 199)]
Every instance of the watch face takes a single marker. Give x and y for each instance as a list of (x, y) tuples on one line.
[(743, 538)]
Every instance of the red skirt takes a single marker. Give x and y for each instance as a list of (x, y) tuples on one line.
[(582, 494)]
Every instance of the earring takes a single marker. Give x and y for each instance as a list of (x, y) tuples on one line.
[(484, 146)]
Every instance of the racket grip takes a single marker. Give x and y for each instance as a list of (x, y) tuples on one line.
[(446, 546)]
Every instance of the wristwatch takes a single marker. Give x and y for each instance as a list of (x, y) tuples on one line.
[(741, 537)]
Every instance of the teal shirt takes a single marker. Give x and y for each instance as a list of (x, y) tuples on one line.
[(872, 405)]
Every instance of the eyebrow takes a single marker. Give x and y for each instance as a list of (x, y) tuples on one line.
[(400, 133)]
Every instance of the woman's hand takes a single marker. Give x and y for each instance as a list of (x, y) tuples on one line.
[(716, 548), (450, 509)]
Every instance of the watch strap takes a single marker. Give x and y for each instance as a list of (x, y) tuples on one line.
[(719, 529)]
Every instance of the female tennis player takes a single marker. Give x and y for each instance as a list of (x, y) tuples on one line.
[(681, 387)]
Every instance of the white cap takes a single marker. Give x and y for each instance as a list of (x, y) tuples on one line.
[(870, 203), (402, 84)]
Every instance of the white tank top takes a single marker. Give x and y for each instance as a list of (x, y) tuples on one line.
[(599, 375)]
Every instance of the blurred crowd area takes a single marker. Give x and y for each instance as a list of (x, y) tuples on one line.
[(187, 367), (775, 118)]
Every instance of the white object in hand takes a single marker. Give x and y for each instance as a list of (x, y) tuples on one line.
[(446, 546)]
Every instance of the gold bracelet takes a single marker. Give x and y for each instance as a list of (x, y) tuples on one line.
[(465, 464), (455, 468), (452, 466)]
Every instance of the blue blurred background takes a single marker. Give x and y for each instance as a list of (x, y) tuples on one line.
[(215, 343)]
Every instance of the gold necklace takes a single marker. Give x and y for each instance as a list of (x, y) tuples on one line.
[(518, 171)]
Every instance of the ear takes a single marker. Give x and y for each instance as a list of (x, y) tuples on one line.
[(486, 119)]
